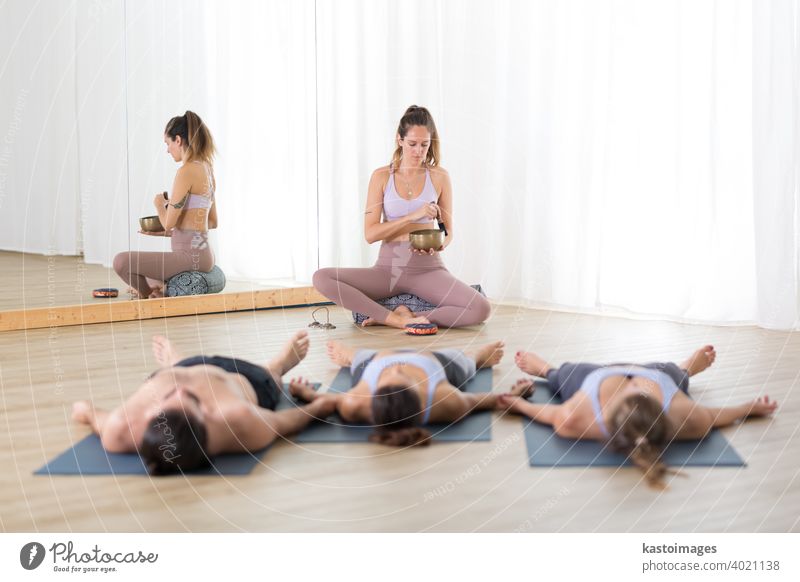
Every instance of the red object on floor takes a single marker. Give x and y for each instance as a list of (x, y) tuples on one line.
[(422, 328), (105, 292)]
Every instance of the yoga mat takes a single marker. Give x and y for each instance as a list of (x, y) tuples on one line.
[(475, 427), (88, 457), (547, 449)]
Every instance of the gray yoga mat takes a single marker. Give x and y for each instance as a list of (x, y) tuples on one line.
[(475, 427), (547, 449), (88, 457)]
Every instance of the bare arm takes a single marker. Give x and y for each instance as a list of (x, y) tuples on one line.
[(445, 190), (451, 404), (212, 216), (374, 229), (267, 425), (169, 213), (696, 421), (110, 426)]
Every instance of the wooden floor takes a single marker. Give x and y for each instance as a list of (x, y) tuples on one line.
[(345, 487), (33, 281)]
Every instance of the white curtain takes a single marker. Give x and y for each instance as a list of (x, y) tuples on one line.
[(602, 153), (776, 155), (62, 172), (38, 134)]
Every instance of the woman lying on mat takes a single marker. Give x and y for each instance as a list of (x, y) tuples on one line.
[(638, 408), (187, 215), (398, 391), (195, 408), (410, 194)]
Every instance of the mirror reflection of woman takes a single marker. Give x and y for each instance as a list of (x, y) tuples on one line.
[(411, 193), (186, 214)]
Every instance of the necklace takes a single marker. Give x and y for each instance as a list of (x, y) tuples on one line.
[(408, 186)]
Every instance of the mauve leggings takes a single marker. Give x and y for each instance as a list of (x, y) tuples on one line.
[(398, 270), (190, 252)]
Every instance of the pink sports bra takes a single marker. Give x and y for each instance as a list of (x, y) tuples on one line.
[(395, 207), (202, 200)]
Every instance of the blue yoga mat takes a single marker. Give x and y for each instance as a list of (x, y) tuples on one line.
[(475, 427), (88, 457), (547, 449)]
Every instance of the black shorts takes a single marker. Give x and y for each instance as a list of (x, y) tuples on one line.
[(267, 390)]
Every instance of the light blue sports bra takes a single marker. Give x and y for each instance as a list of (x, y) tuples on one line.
[(591, 385), (395, 207), (432, 368)]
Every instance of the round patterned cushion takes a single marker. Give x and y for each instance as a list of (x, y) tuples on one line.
[(196, 283), (413, 302)]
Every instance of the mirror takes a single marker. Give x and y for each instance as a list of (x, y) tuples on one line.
[(248, 73)]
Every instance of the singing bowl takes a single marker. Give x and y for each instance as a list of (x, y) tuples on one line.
[(151, 224), (426, 239)]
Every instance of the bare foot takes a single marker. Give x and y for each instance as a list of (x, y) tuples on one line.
[(489, 355), (700, 360), (524, 388), (164, 352), (302, 389), (340, 354), (403, 311), (133, 293), (292, 353), (156, 293), (532, 364)]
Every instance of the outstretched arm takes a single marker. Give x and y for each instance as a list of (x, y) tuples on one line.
[(699, 420), (452, 405), (267, 425), (114, 433)]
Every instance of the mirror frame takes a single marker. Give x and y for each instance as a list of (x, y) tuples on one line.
[(139, 309)]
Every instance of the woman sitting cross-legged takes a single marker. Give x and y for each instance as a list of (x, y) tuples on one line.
[(640, 409), (400, 391)]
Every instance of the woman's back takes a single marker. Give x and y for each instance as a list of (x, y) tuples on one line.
[(199, 198)]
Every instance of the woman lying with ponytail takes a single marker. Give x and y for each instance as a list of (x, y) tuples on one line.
[(639, 409), (400, 391), (186, 214)]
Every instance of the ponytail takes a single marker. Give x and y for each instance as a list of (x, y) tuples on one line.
[(640, 430), (196, 136), (402, 437)]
